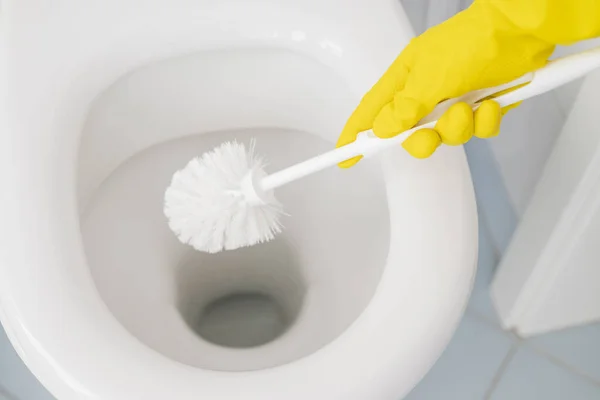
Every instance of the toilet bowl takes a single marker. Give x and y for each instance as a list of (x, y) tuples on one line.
[(355, 300)]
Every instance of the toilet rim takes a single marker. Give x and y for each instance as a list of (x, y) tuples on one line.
[(39, 296)]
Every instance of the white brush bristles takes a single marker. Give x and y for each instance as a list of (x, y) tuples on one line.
[(207, 208)]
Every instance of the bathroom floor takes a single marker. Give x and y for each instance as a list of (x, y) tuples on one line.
[(484, 362)]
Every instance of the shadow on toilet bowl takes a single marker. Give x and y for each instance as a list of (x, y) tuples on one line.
[(242, 298)]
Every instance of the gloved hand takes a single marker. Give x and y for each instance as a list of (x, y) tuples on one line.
[(477, 48)]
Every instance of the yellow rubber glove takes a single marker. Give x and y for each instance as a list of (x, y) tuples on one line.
[(490, 43)]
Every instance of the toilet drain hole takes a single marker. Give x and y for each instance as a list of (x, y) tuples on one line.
[(242, 320)]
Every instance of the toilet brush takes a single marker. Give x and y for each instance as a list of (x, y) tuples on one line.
[(224, 200)]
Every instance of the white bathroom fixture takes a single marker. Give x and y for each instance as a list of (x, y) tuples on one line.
[(549, 279), (99, 298)]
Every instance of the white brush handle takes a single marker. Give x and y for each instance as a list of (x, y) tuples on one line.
[(554, 74)]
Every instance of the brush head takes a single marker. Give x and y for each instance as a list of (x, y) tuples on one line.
[(215, 203)]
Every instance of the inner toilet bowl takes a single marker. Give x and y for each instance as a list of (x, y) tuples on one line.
[(357, 297)]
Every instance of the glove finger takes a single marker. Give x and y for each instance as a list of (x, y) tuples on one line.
[(422, 143), (500, 93), (487, 119), (380, 94), (455, 126)]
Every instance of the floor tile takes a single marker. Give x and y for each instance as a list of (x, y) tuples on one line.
[(468, 365), (480, 301), (578, 347), (530, 376), (15, 378)]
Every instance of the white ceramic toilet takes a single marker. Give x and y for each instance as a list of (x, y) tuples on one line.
[(105, 100)]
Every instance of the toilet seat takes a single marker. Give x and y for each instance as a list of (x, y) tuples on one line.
[(62, 56)]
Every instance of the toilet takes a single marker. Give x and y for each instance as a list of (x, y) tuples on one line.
[(355, 300)]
